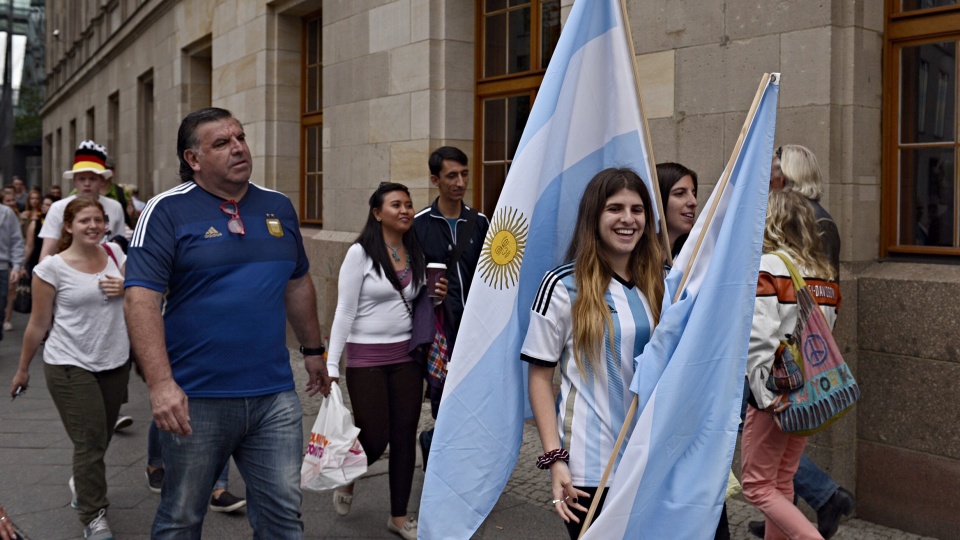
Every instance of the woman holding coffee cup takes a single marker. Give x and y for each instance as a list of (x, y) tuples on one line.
[(382, 274)]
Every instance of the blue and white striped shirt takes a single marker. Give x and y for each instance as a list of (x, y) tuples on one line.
[(592, 405)]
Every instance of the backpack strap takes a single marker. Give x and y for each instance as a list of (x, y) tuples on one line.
[(112, 256)]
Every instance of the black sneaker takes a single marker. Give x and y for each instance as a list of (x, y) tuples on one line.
[(226, 502), (155, 479)]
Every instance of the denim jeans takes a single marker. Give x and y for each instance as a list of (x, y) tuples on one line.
[(264, 435), (4, 279), (812, 484), (155, 457)]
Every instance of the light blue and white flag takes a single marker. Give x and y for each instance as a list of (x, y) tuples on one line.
[(672, 478), (586, 118)]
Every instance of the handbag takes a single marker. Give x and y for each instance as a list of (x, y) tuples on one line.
[(334, 455), (438, 355), (23, 301), (786, 373), (829, 390)]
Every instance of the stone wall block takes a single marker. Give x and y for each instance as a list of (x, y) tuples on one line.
[(458, 20), (458, 62), (420, 114), (806, 126), (658, 25), (700, 145), (345, 39), (656, 72), (459, 107), (347, 124), (892, 296), (723, 78), (408, 164), (805, 63), (908, 490), (663, 139), (866, 57), (905, 403), (389, 26), (747, 18), (390, 119), (410, 68), (337, 10)]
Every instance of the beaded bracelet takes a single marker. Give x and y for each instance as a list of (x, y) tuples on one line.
[(544, 461)]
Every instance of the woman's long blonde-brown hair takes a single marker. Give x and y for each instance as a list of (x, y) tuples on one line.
[(592, 272), (791, 227)]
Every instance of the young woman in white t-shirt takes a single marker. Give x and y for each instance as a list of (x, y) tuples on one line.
[(85, 356), (591, 318)]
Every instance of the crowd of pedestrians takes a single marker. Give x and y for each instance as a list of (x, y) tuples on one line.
[(199, 298)]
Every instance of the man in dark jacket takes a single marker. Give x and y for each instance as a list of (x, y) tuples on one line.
[(440, 227)]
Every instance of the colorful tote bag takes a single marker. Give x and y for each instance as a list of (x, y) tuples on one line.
[(829, 390)]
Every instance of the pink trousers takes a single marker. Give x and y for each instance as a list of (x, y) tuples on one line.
[(769, 459)]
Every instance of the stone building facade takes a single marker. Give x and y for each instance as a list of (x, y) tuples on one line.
[(339, 95)]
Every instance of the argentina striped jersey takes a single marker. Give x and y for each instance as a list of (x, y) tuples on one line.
[(592, 405)]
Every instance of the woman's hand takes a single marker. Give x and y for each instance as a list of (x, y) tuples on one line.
[(440, 292), (6, 528), (112, 286), (565, 496), (20, 378), (777, 406)]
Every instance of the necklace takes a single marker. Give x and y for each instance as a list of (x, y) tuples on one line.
[(394, 254), (406, 269)]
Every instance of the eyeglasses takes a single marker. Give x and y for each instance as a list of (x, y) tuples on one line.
[(779, 152), (235, 224)]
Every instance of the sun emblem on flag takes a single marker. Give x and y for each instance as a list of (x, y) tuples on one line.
[(503, 249)]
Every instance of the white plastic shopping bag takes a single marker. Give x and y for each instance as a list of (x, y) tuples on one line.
[(334, 456)]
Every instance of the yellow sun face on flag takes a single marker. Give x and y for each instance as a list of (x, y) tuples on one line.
[(503, 248)]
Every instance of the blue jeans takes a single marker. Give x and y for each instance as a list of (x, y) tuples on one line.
[(155, 457), (812, 484), (264, 435), (4, 280)]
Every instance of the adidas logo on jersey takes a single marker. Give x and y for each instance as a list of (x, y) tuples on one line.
[(212, 233)]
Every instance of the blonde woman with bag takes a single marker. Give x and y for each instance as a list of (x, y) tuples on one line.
[(769, 456)]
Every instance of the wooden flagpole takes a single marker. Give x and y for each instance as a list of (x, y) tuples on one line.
[(651, 163), (721, 185)]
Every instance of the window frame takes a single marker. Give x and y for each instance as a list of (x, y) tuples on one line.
[(501, 86), (309, 120), (909, 29)]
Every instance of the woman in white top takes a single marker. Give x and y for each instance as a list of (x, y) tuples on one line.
[(85, 356), (591, 318), (381, 275)]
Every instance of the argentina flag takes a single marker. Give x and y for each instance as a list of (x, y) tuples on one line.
[(671, 480), (587, 117)]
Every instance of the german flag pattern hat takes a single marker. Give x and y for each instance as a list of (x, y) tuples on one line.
[(91, 157)]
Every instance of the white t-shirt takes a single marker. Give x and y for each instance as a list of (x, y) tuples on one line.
[(88, 328), (54, 220)]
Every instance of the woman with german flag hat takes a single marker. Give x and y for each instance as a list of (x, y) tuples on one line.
[(88, 171)]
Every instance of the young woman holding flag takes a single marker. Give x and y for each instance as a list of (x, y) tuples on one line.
[(591, 317)]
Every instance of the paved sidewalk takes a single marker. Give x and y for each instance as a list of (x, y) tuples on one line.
[(35, 457)]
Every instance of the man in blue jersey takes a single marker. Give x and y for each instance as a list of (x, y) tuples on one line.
[(216, 268)]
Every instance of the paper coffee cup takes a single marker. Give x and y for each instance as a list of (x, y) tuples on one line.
[(435, 271)]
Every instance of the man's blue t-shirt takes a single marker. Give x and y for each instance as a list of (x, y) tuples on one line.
[(224, 311)]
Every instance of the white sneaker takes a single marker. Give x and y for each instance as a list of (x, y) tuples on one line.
[(7, 326), (123, 422), (98, 529), (73, 494)]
